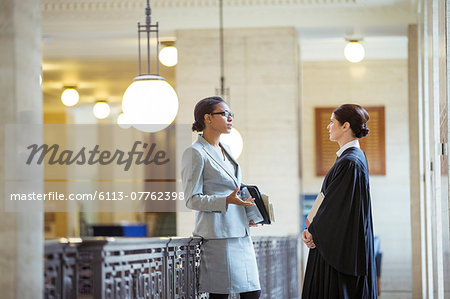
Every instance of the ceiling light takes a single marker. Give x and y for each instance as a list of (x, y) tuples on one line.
[(169, 56), (234, 141), (354, 51), (101, 109), (150, 103), (123, 121), (70, 96)]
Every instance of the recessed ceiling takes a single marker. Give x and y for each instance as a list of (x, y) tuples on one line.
[(93, 43), (107, 29)]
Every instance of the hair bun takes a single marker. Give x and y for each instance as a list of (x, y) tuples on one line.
[(362, 133), (196, 126)]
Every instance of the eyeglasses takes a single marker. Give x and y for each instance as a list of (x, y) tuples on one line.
[(225, 114)]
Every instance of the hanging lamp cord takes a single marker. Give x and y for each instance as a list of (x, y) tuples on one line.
[(222, 64)]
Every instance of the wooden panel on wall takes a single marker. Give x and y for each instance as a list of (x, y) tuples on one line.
[(374, 144), (325, 149)]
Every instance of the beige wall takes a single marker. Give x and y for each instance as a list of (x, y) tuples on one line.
[(261, 68), (371, 83)]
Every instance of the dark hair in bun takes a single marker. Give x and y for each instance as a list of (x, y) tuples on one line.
[(205, 106), (356, 116)]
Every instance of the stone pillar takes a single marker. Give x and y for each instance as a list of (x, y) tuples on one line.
[(21, 235), (262, 72), (433, 109), (416, 185)]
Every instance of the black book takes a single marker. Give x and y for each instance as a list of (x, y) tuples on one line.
[(263, 212)]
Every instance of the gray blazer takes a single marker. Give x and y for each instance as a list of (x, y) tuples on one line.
[(206, 183)]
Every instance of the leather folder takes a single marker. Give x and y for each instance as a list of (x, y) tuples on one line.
[(263, 209), (315, 207)]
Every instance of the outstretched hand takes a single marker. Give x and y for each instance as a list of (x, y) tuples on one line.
[(235, 200), (252, 223), (307, 239)]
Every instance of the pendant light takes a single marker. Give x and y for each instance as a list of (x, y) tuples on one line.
[(70, 96), (354, 51), (101, 109), (168, 56), (234, 139), (122, 121), (150, 103)]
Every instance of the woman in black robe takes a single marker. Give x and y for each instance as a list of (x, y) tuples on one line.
[(341, 261)]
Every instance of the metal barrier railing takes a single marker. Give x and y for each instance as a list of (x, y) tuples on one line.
[(60, 270), (163, 268), (139, 268), (278, 266)]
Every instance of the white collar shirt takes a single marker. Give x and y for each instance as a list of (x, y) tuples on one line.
[(353, 143)]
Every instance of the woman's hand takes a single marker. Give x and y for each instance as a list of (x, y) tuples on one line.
[(307, 239), (235, 200), (251, 223)]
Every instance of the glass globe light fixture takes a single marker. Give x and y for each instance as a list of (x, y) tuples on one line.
[(354, 51), (101, 109), (149, 103), (70, 96), (122, 121), (169, 56), (234, 141)]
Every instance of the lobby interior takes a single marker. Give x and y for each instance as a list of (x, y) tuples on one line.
[(283, 62)]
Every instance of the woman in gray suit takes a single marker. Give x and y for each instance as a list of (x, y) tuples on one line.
[(211, 180)]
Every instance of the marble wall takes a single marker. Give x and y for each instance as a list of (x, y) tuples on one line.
[(261, 70), (21, 234)]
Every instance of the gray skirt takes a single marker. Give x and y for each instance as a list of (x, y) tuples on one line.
[(228, 266)]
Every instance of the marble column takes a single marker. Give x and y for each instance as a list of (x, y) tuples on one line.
[(416, 185), (432, 105), (21, 234)]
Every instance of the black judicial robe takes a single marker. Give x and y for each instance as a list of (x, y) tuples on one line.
[(343, 263)]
